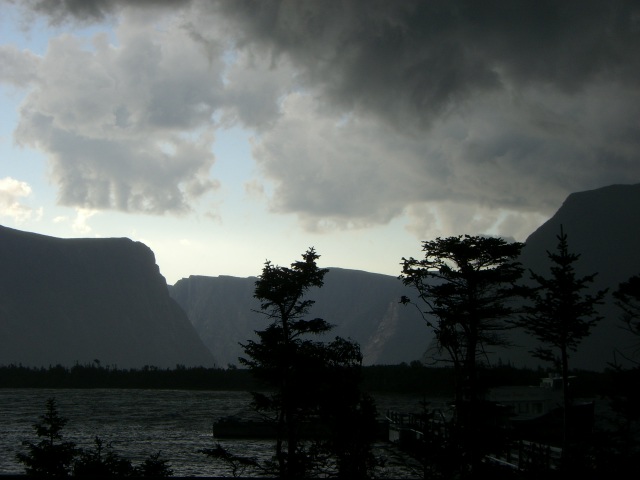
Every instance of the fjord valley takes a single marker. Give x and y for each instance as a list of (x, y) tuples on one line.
[(95, 315), (68, 301)]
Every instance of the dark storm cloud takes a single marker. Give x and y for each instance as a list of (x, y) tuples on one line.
[(369, 109), (504, 104), (412, 60)]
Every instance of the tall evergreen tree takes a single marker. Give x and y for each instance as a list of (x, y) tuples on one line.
[(561, 315), (303, 374), (467, 284)]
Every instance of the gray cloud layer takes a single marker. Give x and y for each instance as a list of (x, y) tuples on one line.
[(363, 109)]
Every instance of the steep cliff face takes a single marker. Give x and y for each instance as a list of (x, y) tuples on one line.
[(222, 310), (76, 300), (362, 306)]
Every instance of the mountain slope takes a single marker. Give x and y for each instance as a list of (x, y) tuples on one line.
[(76, 300), (603, 226)]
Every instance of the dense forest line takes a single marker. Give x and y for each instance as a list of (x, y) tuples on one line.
[(414, 378)]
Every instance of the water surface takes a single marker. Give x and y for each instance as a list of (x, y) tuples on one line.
[(139, 423)]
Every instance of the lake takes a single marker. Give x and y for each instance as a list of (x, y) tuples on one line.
[(139, 423)]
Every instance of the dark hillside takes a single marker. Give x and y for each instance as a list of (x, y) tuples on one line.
[(603, 226), (76, 300)]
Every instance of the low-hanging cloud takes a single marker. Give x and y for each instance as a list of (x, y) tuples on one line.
[(363, 110)]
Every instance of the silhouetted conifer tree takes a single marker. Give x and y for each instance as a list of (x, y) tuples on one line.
[(101, 461), (51, 456), (619, 445), (627, 298), (309, 379), (561, 315), (466, 285), (154, 466)]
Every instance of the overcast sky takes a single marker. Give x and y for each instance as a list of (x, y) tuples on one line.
[(222, 134)]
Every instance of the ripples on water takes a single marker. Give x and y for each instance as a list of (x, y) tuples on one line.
[(139, 423)]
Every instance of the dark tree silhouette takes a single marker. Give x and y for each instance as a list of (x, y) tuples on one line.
[(276, 358), (561, 315), (101, 461), (51, 457), (347, 413), (467, 284), (620, 447), (628, 299), (304, 375), (154, 466)]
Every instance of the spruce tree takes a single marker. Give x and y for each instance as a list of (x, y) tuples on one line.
[(561, 315), (51, 456), (309, 380)]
